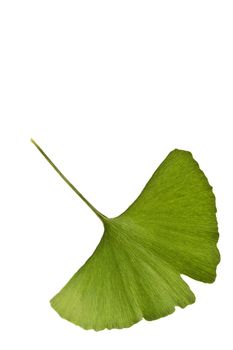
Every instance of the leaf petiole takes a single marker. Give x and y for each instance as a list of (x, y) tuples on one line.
[(100, 215)]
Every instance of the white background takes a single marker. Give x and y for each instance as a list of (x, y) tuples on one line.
[(108, 89)]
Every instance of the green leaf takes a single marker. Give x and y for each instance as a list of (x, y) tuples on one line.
[(134, 273)]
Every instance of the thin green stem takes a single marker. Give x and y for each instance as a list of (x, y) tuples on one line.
[(100, 215)]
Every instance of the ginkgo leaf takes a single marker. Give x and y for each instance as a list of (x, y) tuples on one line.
[(134, 273)]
